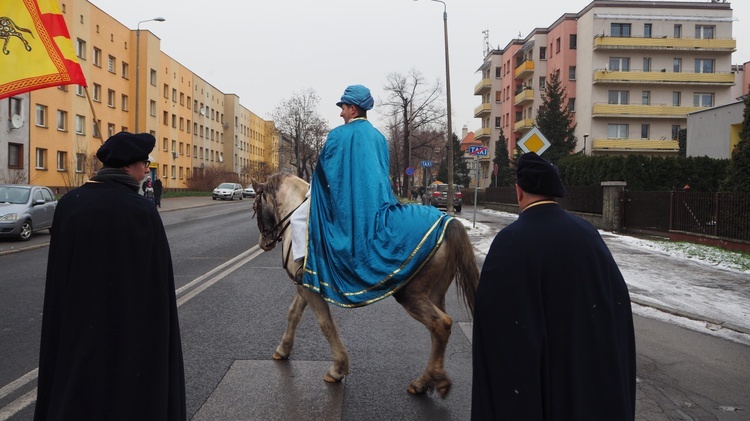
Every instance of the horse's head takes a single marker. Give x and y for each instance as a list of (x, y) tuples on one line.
[(266, 211)]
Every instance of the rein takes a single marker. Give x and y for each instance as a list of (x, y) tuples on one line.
[(265, 232)]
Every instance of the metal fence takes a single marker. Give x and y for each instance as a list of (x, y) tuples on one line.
[(647, 210), (725, 215)]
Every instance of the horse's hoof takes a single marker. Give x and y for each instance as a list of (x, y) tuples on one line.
[(330, 379), (443, 389), (411, 389), (278, 357)]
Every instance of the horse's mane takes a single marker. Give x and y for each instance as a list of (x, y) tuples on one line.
[(275, 181)]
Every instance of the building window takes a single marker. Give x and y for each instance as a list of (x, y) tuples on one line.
[(96, 128), (165, 118), (182, 98), (572, 73), (678, 31), (703, 99), (573, 41), (124, 103), (557, 45), (110, 130), (705, 31), (676, 99), (97, 57), (187, 126), (62, 120), (174, 121), (81, 49), (80, 124), (164, 142), (111, 98), (572, 105), (704, 65), (617, 131), (15, 156), (498, 122), (542, 53), (646, 98), (174, 95), (675, 131), (498, 97), (125, 70), (172, 171), (111, 62), (182, 124), (97, 93), (619, 29), (80, 162), (152, 108), (16, 106), (647, 30), (618, 97), (645, 130), (41, 159), (677, 65), (542, 82), (62, 158), (41, 115), (188, 102), (646, 64), (80, 91), (621, 64), (166, 91), (152, 77)]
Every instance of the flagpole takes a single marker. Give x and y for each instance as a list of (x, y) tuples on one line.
[(97, 129)]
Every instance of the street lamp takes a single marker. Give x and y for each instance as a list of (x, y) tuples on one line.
[(138, 67), (585, 136), (449, 204)]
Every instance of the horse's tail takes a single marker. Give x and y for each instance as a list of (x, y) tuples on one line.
[(467, 273)]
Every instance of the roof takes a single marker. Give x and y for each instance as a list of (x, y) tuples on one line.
[(469, 140)]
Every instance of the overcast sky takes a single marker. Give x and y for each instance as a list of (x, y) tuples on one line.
[(264, 51)]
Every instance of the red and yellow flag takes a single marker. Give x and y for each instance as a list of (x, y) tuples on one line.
[(36, 48)]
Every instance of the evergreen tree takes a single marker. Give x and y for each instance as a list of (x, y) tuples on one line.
[(460, 169), (739, 166), (682, 142), (505, 170), (555, 120)]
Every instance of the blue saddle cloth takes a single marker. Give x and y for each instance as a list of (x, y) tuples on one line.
[(363, 245)]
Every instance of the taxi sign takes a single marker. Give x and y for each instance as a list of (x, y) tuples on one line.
[(478, 150), (534, 141)]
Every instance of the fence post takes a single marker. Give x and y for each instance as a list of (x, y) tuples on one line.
[(613, 208)]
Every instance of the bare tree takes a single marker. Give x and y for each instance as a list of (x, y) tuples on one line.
[(298, 119), (414, 106)]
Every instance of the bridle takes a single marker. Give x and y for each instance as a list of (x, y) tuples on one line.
[(280, 226)]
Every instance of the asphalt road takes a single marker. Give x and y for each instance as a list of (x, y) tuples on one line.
[(233, 300)]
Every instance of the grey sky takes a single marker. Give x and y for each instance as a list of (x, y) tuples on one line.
[(264, 51)]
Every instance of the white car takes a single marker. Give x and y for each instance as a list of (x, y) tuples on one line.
[(227, 191), (248, 192)]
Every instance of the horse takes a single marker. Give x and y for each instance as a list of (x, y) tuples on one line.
[(423, 297)]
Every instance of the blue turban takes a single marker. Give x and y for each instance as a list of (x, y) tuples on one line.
[(357, 95)]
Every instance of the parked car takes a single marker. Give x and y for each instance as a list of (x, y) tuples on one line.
[(437, 195), (248, 192), (25, 209), (227, 191)]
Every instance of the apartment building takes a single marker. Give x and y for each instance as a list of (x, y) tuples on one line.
[(62, 128), (632, 71)]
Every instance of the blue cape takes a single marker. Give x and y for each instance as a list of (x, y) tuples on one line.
[(362, 244)]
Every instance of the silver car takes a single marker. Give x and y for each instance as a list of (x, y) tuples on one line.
[(227, 191), (25, 209)]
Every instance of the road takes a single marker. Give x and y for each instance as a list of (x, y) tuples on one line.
[(233, 300)]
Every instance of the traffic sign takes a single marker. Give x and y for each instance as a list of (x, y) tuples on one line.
[(409, 171), (426, 164), (478, 150), (534, 141)]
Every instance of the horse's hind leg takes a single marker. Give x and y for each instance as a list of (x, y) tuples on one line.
[(294, 315), (439, 324), (340, 367)]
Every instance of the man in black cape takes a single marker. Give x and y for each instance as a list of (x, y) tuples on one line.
[(110, 346), (553, 330)]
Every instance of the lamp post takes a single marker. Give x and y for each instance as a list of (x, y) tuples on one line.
[(449, 151), (138, 68), (585, 136)]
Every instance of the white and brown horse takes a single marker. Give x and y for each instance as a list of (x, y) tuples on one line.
[(423, 297)]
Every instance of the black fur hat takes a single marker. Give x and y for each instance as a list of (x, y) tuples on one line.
[(125, 148), (536, 175)]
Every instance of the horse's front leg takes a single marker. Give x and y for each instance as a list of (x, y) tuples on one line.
[(340, 367), (292, 320)]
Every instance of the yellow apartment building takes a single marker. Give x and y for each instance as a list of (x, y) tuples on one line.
[(195, 124)]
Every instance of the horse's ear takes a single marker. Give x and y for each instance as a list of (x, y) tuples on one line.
[(257, 185)]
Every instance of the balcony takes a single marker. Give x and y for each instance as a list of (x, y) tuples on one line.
[(523, 126), (643, 111), (524, 97), (483, 87), (664, 77), (635, 145), (482, 110), (525, 70), (664, 43), (483, 134)]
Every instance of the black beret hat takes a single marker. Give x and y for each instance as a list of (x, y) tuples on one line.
[(536, 175), (125, 148)]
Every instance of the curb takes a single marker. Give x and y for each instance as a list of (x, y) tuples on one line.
[(691, 316)]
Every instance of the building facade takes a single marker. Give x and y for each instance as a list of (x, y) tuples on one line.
[(132, 86), (632, 72)]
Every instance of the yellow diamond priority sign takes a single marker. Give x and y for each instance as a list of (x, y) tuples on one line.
[(534, 141)]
